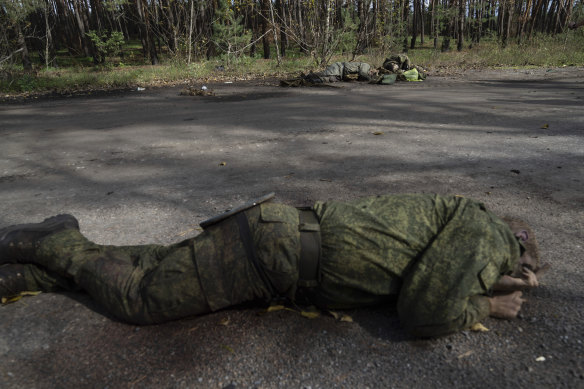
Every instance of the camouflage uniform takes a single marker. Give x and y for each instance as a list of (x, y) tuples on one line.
[(152, 284), (400, 65), (437, 255), (340, 71)]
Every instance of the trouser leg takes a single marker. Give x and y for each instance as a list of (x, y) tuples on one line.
[(151, 284), (16, 278), (138, 284), (41, 279), (142, 294)]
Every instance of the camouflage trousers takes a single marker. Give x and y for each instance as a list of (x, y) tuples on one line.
[(151, 283)]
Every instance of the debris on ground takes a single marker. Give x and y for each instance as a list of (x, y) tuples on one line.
[(195, 91), (395, 68)]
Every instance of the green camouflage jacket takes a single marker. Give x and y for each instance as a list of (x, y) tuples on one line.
[(437, 255)]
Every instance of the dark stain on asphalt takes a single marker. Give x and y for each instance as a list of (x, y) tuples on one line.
[(244, 97)]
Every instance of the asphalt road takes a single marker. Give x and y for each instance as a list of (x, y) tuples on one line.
[(148, 166)]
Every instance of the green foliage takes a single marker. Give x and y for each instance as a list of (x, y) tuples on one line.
[(578, 11), (15, 11), (114, 5), (229, 34), (540, 51), (27, 83), (347, 36), (107, 43), (13, 14), (561, 50)]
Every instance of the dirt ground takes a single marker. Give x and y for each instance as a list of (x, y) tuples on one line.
[(148, 166)]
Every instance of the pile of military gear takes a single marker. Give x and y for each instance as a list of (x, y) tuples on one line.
[(395, 68), (398, 68), (338, 71)]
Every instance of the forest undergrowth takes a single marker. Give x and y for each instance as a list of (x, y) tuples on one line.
[(130, 69)]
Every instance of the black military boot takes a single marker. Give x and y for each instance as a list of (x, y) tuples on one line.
[(12, 280), (18, 242)]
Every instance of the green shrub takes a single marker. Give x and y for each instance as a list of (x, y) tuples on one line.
[(107, 43)]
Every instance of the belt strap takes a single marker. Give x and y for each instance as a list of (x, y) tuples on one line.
[(246, 239), (309, 263)]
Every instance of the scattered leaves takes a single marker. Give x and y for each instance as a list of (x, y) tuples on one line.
[(545, 126), (540, 359), (230, 349), (378, 133), (309, 315), (326, 180), (194, 91), (189, 231), (11, 299), (274, 308), (346, 318), (15, 298), (30, 293), (224, 322), (466, 354), (341, 317), (478, 327), (223, 163), (138, 380)]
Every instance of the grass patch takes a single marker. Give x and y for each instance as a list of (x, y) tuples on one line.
[(541, 51), (128, 70)]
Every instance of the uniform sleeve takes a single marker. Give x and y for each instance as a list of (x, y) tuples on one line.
[(444, 289)]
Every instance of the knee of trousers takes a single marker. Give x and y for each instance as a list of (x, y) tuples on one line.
[(116, 285)]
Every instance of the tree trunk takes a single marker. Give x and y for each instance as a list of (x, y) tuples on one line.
[(435, 23), (362, 30), (461, 9), (421, 17), (148, 43), (415, 24), (26, 64), (406, 8), (265, 39), (279, 59), (82, 28), (171, 25), (283, 38), (48, 36), (190, 36), (252, 25)]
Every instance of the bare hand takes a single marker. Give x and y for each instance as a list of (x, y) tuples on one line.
[(529, 278), (506, 306)]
